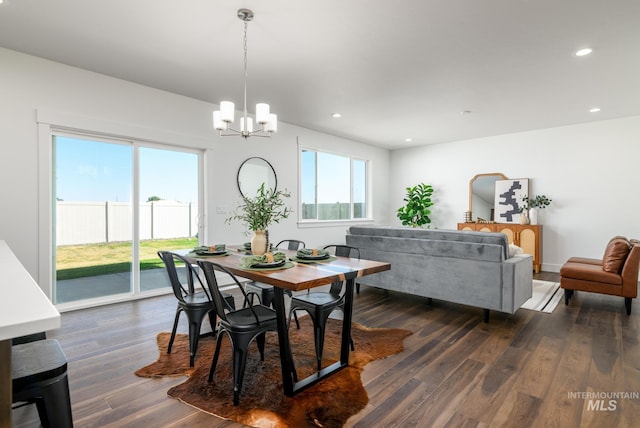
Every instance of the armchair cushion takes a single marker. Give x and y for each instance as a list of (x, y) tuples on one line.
[(615, 255), (589, 272)]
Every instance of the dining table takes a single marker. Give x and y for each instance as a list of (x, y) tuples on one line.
[(298, 276)]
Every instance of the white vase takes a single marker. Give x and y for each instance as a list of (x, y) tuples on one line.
[(524, 217), (533, 216), (259, 242)]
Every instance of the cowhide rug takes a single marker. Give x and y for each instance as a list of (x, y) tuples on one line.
[(262, 401)]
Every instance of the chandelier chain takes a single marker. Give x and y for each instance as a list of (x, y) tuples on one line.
[(246, 24)]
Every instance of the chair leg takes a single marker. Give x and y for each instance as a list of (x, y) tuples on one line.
[(260, 340), (240, 348), (292, 313), (212, 322), (216, 354), (295, 317), (195, 323), (319, 325), (173, 331), (54, 404), (567, 296), (627, 305)]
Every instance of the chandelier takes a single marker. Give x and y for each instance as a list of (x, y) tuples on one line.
[(223, 118)]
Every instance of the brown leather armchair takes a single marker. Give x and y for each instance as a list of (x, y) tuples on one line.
[(615, 274)]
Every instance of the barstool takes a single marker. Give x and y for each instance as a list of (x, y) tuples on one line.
[(39, 374)]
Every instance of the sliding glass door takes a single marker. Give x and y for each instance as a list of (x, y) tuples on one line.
[(116, 203), (168, 209)]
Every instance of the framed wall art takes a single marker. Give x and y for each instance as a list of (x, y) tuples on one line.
[(508, 199)]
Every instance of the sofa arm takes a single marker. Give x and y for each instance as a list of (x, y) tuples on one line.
[(517, 281)]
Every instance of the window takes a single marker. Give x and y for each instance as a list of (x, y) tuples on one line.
[(105, 238), (333, 187)]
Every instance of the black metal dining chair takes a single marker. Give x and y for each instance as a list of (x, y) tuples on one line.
[(242, 326), (320, 304), (265, 291), (39, 375), (196, 305)]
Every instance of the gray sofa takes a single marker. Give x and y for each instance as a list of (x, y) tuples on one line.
[(470, 268)]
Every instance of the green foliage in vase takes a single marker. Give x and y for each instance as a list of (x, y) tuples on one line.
[(418, 201), (265, 208), (539, 201)]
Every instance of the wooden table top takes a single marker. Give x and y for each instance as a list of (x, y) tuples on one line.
[(303, 275)]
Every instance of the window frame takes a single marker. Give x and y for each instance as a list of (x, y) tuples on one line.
[(367, 189), (50, 123)]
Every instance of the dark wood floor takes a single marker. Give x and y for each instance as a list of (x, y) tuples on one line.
[(516, 371)]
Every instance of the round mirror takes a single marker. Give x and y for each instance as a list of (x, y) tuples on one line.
[(252, 173), (481, 195)]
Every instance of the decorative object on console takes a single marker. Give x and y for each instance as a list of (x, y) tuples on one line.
[(508, 197), (531, 205), (223, 118), (260, 212), (418, 201)]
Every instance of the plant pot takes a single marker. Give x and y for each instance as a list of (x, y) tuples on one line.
[(259, 242)]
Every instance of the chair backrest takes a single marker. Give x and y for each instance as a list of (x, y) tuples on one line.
[(170, 258), (222, 309), (292, 244), (342, 251)]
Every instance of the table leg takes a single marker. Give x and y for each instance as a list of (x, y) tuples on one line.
[(286, 360), (6, 383), (346, 322)]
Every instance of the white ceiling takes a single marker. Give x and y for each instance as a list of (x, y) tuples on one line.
[(394, 69)]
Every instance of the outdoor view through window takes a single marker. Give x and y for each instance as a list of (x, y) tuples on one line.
[(98, 252), (333, 187)]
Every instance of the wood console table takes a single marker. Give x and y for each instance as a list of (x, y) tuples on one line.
[(526, 236)]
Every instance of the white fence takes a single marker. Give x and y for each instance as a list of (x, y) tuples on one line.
[(97, 222)]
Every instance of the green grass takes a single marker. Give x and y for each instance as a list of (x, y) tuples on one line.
[(79, 261)]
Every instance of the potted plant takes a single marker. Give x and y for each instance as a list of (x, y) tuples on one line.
[(531, 205), (418, 201), (259, 212)]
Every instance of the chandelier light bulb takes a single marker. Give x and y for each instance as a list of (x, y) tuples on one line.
[(227, 111), (262, 113), (272, 123)]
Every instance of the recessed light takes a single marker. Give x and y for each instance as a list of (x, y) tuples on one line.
[(594, 110), (465, 112), (336, 115), (408, 140), (583, 52)]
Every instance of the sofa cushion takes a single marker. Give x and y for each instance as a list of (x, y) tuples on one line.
[(615, 255), (493, 238)]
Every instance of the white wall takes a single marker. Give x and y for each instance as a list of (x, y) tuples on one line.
[(31, 87), (589, 170)]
